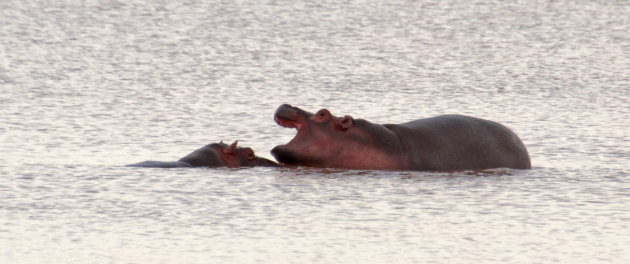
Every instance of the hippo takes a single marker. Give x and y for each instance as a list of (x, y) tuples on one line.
[(213, 155), (441, 143)]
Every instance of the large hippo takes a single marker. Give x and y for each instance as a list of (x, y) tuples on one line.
[(214, 155), (442, 143)]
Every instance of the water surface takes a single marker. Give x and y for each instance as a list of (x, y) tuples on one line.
[(87, 87)]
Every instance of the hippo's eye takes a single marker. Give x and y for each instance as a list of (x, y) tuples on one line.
[(250, 155)]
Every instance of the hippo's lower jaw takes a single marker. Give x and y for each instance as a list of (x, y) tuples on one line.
[(284, 156)]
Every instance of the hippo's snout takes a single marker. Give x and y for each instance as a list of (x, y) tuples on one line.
[(290, 116), (287, 111), (265, 162)]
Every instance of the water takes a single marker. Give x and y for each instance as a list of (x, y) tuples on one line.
[(88, 86)]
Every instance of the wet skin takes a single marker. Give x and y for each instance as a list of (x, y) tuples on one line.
[(442, 143), (214, 155)]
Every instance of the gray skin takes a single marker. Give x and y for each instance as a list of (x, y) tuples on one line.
[(442, 143), (213, 155)]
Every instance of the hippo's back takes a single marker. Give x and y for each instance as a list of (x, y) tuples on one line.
[(457, 142)]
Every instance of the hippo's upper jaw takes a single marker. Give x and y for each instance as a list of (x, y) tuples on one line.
[(291, 117), (285, 122)]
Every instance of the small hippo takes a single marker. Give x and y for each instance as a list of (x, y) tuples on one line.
[(214, 155)]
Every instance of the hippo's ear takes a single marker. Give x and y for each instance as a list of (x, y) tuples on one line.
[(346, 122), (231, 150)]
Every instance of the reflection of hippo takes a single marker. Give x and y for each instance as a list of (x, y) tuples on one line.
[(443, 143), (214, 155)]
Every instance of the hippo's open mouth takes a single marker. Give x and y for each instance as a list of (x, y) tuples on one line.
[(290, 117)]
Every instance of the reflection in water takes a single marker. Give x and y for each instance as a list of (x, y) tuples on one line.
[(90, 86)]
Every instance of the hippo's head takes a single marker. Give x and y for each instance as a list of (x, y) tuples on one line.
[(324, 140), (222, 155)]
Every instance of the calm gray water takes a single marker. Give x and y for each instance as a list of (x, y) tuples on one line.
[(89, 86)]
